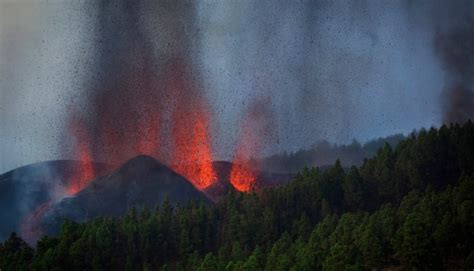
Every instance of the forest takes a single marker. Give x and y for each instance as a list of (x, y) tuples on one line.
[(408, 207), (325, 153)]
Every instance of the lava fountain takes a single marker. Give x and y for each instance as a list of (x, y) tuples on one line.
[(192, 151), (254, 128), (85, 173), (145, 95), (173, 128), (191, 147)]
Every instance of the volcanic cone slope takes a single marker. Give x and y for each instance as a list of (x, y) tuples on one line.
[(140, 181)]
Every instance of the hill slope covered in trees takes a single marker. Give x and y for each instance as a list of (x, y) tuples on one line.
[(408, 207), (325, 153)]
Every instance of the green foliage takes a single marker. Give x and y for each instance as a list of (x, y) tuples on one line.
[(15, 254), (408, 207)]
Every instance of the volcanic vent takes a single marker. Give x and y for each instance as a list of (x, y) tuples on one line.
[(146, 98)]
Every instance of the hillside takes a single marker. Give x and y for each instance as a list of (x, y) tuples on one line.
[(140, 181), (324, 153), (25, 188), (408, 207)]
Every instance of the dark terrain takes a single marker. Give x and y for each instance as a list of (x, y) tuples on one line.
[(23, 189), (140, 181)]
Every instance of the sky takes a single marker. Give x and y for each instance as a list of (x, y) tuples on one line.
[(325, 70)]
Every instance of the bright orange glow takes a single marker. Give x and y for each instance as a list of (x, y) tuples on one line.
[(191, 151), (169, 121), (192, 156), (242, 178), (254, 128), (85, 173)]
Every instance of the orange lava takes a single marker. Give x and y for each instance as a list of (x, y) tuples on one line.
[(85, 173), (242, 178), (167, 118), (192, 155), (191, 147), (254, 128)]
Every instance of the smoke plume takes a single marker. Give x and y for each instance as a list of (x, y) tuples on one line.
[(143, 75), (117, 78), (455, 47)]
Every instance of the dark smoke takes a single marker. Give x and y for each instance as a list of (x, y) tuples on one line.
[(458, 104), (335, 70), (455, 48), (144, 70), (148, 67)]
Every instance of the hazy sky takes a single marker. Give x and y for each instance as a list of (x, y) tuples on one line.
[(333, 70)]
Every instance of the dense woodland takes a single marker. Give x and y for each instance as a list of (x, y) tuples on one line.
[(408, 207), (325, 153)]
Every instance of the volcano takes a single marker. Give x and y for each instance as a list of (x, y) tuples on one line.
[(36, 199), (140, 181)]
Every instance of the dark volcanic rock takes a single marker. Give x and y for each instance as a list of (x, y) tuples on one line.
[(32, 195), (141, 181), (222, 187), (23, 189)]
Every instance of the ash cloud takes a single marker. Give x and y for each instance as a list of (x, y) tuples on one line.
[(335, 71), (454, 44), (144, 70), (338, 70)]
